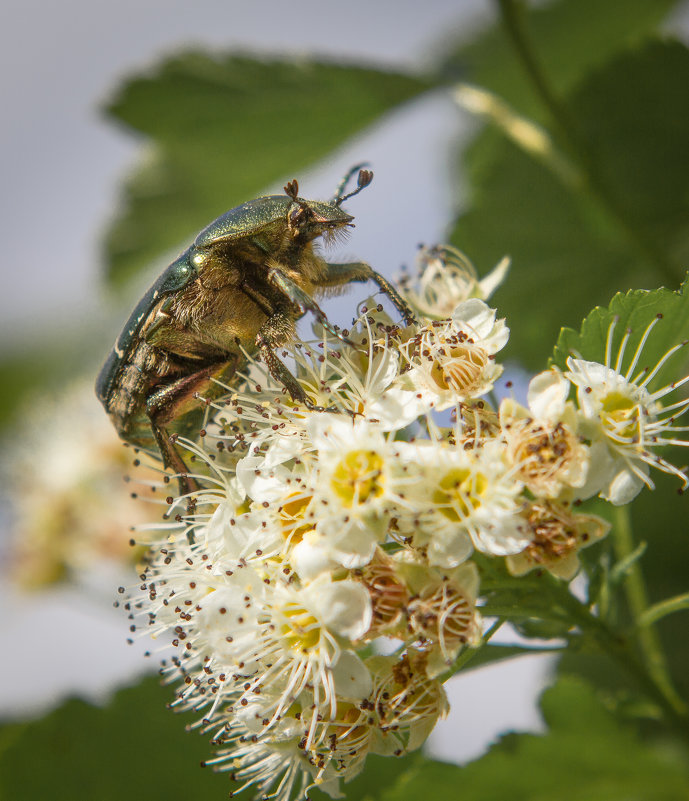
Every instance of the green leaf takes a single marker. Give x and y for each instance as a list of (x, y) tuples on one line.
[(634, 120), (222, 128), (629, 316), (570, 39), (625, 224), (133, 748), (527, 602), (585, 756)]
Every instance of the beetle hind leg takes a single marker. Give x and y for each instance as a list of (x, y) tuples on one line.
[(173, 403)]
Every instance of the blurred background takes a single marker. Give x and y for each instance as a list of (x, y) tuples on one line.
[(64, 163)]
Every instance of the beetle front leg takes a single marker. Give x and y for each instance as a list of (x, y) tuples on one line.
[(303, 303), (339, 274)]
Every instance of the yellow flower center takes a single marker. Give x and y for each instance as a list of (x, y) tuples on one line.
[(301, 630), (460, 367), (459, 493), (358, 477), (620, 415), (292, 517)]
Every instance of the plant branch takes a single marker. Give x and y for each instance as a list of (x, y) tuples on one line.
[(637, 599), (617, 647)]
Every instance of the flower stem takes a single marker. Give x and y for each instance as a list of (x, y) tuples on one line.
[(637, 599), (618, 649), (663, 608)]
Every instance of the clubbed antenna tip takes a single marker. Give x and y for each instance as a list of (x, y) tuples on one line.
[(292, 188)]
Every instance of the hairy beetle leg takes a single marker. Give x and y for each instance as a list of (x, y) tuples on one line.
[(339, 274), (165, 406), (303, 303)]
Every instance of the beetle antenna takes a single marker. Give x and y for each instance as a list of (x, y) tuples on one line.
[(292, 188), (364, 179)]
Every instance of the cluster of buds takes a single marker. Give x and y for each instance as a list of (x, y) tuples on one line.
[(324, 582)]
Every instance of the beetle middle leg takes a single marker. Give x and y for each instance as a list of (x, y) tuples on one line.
[(339, 274), (276, 331)]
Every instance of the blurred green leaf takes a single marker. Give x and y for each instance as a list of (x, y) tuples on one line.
[(574, 246), (40, 371), (570, 38), (585, 756), (633, 118), (222, 128), (133, 748)]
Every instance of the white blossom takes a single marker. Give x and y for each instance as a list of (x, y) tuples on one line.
[(542, 442), (454, 360), (319, 535), (625, 420), (445, 277)]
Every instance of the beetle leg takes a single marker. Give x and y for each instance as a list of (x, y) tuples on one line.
[(303, 302), (165, 406), (339, 274), (275, 331)]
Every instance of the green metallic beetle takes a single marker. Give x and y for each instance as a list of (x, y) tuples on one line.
[(240, 288)]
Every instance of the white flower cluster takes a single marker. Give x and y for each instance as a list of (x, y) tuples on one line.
[(75, 513), (324, 581)]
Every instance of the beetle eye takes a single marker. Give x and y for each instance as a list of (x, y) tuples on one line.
[(299, 215)]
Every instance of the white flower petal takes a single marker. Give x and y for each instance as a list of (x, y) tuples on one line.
[(353, 680), (343, 606), (547, 394), (492, 280)]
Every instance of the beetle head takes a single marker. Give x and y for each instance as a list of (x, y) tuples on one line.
[(307, 219)]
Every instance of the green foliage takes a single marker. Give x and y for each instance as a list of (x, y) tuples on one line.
[(617, 224), (221, 129), (562, 262), (489, 654), (571, 38), (634, 311), (660, 518), (584, 755), (132, 748)]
